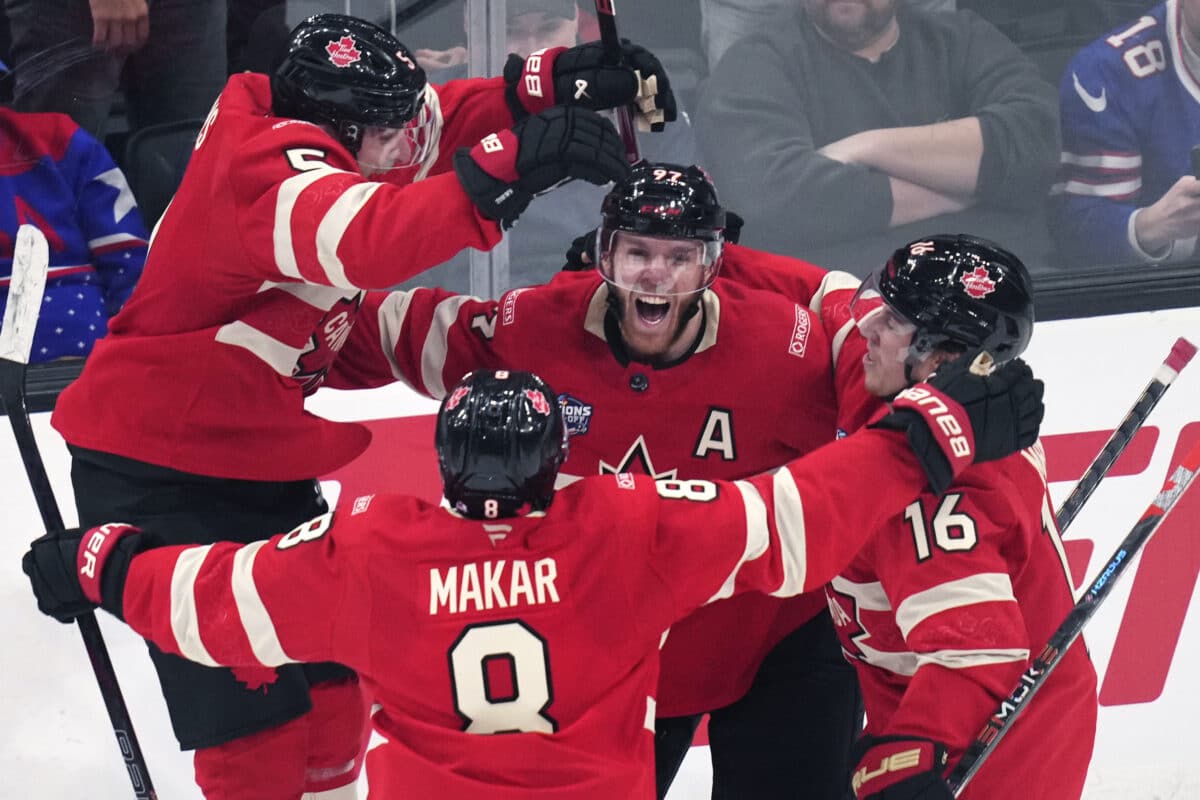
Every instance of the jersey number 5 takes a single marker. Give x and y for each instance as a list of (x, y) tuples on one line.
[(500, 674)]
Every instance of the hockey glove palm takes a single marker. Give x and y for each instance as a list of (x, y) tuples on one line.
[(899, 768), (583, 76), (75, 570), (957, 418), (504, 172)]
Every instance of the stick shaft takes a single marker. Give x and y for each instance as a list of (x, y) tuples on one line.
[(1040, 669)]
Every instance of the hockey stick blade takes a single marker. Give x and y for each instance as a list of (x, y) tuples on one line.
[(606, 18), (1035, 675), (30, 264), (1181, 353), (31, 257)]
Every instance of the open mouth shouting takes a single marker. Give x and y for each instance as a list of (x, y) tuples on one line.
[(651, 310)]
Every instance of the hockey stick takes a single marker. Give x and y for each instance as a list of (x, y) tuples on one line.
[(1181, 353), (606, 17), (1035, 675), (30, 258)]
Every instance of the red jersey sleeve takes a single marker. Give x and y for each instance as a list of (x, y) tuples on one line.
[(293, 598), (784, 517)]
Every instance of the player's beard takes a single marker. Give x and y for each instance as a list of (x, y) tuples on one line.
[(619, 303), (851, 31)]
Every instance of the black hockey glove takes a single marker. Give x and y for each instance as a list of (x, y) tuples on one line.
[(75, 570), (582, 251), (899, 768), (504, 172), (957, 418), (583, 76)]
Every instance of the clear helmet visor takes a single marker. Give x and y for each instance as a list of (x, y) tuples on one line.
[(386, 148), (892, 340), (657, 265)]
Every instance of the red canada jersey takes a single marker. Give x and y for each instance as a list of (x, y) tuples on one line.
[(253, 282), (757, 391), (542, 629), (946, 606)]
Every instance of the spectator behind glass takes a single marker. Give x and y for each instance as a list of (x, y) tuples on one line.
[(723, 22), (868, 116), (73, 55), (1130, 104), (536, 243), (56, 176)]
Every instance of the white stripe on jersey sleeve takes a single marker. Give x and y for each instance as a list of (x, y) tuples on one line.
[(285, 204), (1106, 189), (435, 349), (333, 227), (867, 596), (757, 536), (277, 355), (965, 659), (392, 313), (256, 620), (793, 538), (184, 622), (984, 587), (1103, 161)]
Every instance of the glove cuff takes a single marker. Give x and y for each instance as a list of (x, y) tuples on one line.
[(889, 760), (94, 550), (530, 82), (946, 419)]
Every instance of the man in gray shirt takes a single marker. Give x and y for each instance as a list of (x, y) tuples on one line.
[(869, 116)]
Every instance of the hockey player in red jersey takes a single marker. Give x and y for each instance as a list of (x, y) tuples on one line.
[(342, 171), (505, 613), (664, 368), (948, 602)]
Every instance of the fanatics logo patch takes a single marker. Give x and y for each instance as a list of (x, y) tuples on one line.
[(343, 52), (509, 312), (978, 283), (361, 504), (576, 414), (625, 480)]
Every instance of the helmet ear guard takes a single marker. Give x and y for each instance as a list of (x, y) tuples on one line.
[(500, 441)]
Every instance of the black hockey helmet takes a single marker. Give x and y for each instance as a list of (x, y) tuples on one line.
[(500, 442), (349, 74), (959, 292), (664, 200)]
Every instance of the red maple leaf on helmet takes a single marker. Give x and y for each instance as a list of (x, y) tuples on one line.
[(457, 396), (343, 52), (978, 283), (540, 405)]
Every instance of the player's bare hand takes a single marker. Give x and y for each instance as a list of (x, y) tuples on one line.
[(121, 26), (1176, 215)]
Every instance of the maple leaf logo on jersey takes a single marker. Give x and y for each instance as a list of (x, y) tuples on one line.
[(978, 283), (457, 396), (637, 454), (540, 404), (331, 333), (343, 52)]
